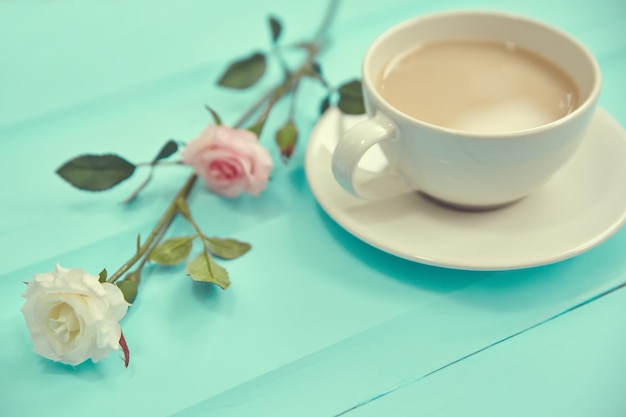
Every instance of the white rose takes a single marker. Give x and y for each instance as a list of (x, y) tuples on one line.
[(73, 317)]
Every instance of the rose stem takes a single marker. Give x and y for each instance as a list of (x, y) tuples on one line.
[(274, 95), (162, 225)]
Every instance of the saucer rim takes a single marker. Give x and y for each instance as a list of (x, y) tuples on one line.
[(608, 231)]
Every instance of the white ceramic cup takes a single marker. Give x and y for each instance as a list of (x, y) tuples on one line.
[(461, 168)]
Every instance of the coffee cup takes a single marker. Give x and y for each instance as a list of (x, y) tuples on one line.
[(475, 109)]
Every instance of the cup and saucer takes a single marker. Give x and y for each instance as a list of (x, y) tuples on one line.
[(482, 147), (582, 205)]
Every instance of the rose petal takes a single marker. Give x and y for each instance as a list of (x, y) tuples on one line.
[(73, 317), (229, 161)]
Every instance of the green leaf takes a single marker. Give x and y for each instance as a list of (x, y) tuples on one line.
[(325, 104), (172, 251), (183, 209), (351, 88), (203, 268), (216, 117), (244, 73), (166, 151), (286, 138), (257, 127), (317, 68), (314, 71), (96, 172), (129, 288), (351, 98), (133, 276), (102, 276), (227, 248), (276, 27)]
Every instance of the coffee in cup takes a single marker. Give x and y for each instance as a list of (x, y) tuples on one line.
[(477, 86), (476, 109)]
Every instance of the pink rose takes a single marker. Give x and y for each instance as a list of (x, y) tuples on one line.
[(229, 161)]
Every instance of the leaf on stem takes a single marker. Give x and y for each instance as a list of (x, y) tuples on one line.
[(227, 248), (317, 68), (314, 71), (244, 73), (276, 27), (204, 269), (166, 151), (102, 276), (183, 209), (351, 98), (129, 285), (172, 251), (216, 117), (96, 172), (257, 128), (129, 288), (286, 138), (325, 104)]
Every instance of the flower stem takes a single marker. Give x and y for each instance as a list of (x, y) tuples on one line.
[(184, 211), (256, 106), (274, 95), (269, 99), (162, 225), (158, 163), (314, 47)]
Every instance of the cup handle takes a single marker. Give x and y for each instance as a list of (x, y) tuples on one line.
[(351, 148)]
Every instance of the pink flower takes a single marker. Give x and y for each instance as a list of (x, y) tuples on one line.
[(229, 161)]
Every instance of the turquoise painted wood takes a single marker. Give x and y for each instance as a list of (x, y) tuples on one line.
[(316, 322)]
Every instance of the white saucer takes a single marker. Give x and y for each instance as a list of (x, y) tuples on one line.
[(580, 207)]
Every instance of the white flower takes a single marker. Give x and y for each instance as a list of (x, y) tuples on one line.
[(73, 317)]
